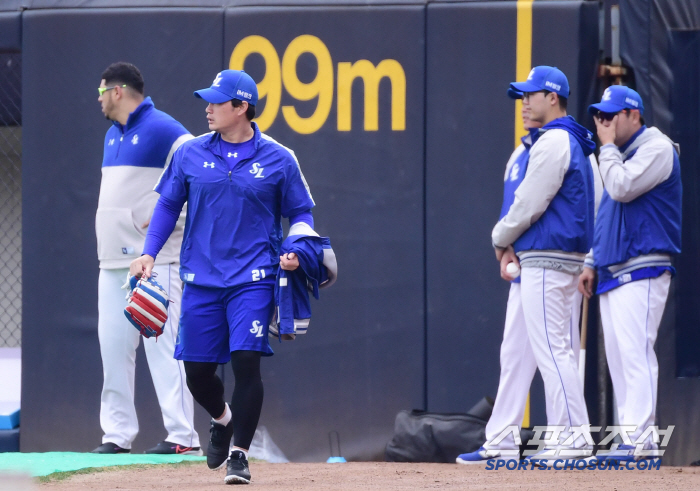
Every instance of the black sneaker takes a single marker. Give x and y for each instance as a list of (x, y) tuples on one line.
[(219, 443), (109, 447), (166, 447), (237, 469)]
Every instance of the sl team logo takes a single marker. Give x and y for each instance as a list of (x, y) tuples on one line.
[(607, 95), (257, 171), (216, 81), (257, 329)]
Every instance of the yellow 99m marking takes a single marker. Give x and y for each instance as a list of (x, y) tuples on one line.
[(321, 87)]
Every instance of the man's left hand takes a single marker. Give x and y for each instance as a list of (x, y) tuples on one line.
[(289, 261)]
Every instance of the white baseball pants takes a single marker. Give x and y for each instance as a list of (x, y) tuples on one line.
[(518, 366), (548, 298), (631, 316), (118, 342)]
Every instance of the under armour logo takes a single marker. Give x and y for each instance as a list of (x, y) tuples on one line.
[(209, 164), (111, 142), (234, 154), (135, 139), (216, 81)]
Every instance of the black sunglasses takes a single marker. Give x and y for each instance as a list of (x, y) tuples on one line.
[(609, 116)]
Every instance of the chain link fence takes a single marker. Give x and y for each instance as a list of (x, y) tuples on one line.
[(10, 201)]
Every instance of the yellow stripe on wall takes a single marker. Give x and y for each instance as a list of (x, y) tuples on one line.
[(523, 64), (523, 59)]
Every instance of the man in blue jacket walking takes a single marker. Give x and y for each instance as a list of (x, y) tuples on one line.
[(238, 183)]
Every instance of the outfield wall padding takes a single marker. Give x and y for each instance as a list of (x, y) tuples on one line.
[(399, 118)]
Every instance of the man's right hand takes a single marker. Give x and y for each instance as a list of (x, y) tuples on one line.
[(508, 256), (585, 282), (142, 266)]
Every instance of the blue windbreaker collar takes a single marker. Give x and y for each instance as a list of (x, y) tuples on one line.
[(145, 106), (582, 135), (213, 143)]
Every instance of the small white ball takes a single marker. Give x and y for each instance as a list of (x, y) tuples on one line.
[(513, 270)]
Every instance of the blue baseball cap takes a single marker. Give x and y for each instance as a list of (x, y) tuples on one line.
[(514, 94), (544, 78), (230, 84), (616, 98)]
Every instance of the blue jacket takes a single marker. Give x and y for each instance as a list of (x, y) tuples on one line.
[(638, 227), (567, 223), (134, 157), (233, 230), (317, 267)]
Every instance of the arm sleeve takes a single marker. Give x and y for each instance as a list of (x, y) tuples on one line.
[(549, 161), (305, 217), (651, 165), (597, 183), (165, 215)]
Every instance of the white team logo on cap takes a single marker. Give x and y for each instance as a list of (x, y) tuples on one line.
[(607, 95), (532, 74), (216, 81), (552, 85)]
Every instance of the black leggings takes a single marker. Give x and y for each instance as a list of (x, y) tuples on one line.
[(246, 403)]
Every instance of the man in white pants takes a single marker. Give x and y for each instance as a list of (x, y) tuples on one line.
[(550, 227), (518, 364), (139, 144), (638, 229)]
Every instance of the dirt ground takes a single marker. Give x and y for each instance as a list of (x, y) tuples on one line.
[(371, 476)]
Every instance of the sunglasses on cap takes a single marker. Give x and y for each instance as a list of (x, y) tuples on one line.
[(102, 90)]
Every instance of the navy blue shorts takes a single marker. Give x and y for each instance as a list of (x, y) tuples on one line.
[(216, 321)]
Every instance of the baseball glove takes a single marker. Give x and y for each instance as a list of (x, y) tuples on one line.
[(147, 306)]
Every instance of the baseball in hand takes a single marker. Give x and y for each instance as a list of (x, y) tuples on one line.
[(513, 270)]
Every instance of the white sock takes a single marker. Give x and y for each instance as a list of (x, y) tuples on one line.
[(226, 417)]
